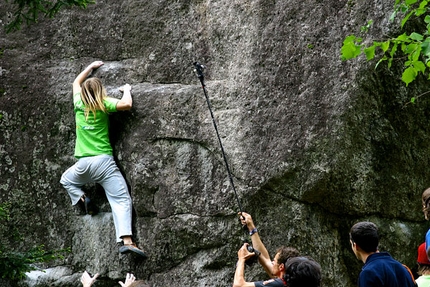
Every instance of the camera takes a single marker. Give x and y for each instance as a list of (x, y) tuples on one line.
[(250, 261)]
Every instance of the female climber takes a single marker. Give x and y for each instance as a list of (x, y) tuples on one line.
[(94, 153)]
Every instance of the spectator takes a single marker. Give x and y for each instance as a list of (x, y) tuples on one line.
[(426, 209), (380, 269), (275, 269), (302, 272), (423, 267)]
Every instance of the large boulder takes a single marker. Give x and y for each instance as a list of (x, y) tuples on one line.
[(314, 144)]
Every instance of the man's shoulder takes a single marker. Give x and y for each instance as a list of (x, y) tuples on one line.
[(375, 265), (382, 265), (382, 259)]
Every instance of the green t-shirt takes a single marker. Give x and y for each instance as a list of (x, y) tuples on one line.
[(423, 281), (92, 136)]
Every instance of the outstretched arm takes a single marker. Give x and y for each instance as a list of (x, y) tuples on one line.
[(83, 75), (239, 275), (264, 257)]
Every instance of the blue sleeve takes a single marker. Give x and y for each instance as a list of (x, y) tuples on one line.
[(427, 239)]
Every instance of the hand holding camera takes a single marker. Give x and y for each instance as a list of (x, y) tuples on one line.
[(248, 254), (245, 252)]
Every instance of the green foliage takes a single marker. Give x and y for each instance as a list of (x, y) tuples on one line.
[(14, 265), (28, 11), (4, 214), (415, 47)]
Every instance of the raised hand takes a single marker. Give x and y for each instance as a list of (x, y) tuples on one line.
[(128, 280), (87, 280)]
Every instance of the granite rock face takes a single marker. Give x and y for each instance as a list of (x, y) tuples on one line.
[(314, 144)]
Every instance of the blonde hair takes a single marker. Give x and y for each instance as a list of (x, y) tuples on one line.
[(423, 269), (93, 93)]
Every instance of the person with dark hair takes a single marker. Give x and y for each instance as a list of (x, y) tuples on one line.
[(380, 269), (302, 272), (425, 198), (95, 156), (426, 209), (275, 269), (423, 267)]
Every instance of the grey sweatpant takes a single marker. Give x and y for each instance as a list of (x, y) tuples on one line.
[(103, 170)]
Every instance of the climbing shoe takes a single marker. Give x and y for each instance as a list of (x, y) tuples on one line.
[(127, 248)]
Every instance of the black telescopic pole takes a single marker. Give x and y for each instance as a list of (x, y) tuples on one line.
[(199, 72)]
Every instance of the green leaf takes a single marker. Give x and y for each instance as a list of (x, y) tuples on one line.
[(404, 20), (410, 48), (410, 2), (421, 9), (416, 53), (425, 48), (403, 38), (393, 50), (369, 52), (419, 66), (349, 48), (385, 45), (404, 8), (417, 37), (423, 4), (409, 75), (419, 12), (413, 100), (427, 19), (403, 47), (390, 62)]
